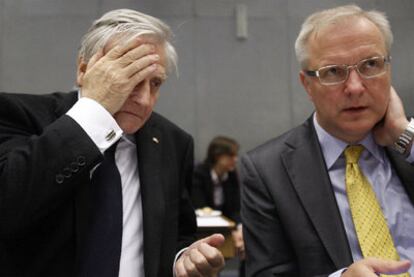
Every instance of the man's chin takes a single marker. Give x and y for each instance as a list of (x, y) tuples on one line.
[(129, 128), (130, 124)]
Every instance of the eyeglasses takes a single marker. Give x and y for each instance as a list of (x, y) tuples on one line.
[(337, 74)]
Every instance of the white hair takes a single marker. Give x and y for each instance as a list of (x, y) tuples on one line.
[(125, 24), (321, 19)]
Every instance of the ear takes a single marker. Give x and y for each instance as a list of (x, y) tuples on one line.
[(80, 72), (304, 79)]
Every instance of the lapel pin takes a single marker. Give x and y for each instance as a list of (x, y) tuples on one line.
[(154, 139)]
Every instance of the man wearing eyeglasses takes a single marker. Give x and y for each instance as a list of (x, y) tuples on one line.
[(331, 197)]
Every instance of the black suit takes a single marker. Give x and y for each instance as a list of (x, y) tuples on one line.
[(291, 221), (45, 163), (203, 193)]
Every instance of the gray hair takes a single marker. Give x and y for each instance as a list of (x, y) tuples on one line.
[(324, 18), (125, 24)]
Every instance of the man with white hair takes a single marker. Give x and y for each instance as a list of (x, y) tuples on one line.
[(330, 198), (93, 182)]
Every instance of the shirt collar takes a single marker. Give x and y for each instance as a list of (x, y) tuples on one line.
[(215, 177), (332, 148)]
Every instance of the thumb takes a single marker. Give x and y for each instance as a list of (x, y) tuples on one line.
[(215, 240), (390, 267)]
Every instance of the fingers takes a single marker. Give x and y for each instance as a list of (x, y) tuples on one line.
[(95, 57), (120, 49), (144, 73), (212, 255), (389, 266), (135, 64), (110, 78), (215, 240), (387, 131), (200, 259), (141, 64), (373, 267), (191, 268), (200, 262), (186, 267)]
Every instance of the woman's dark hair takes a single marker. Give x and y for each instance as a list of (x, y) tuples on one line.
[(221, 145)]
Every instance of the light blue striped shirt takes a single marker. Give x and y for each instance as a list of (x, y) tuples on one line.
[(394, 201)]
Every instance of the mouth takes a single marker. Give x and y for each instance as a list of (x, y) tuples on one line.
[(357, 109), (129, 113), (354, 110)]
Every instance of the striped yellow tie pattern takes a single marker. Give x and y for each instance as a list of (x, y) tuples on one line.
[(371, 227)]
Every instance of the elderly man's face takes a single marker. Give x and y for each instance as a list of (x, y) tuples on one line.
[(350, 110), (139, 105)]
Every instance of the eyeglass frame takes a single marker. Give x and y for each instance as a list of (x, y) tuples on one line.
[(315, 73)]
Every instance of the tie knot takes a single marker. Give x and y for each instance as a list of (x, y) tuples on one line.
[(353, 152)]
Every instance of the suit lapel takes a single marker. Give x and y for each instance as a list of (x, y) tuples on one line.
[(149, 147), (404, 170), (307, 170)]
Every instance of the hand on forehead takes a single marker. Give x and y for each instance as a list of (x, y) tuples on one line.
[(133, 47)]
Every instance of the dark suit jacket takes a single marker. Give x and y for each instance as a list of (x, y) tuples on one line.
[(45, 163), (291, 221), (202, 192)]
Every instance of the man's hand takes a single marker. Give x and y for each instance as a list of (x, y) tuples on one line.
[(373, 267), (202, 258), (238, 241), (110, 78), (394, 122)]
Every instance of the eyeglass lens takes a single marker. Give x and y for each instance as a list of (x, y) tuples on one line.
[(368, 68)]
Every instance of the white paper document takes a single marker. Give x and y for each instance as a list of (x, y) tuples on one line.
[(212, 221)]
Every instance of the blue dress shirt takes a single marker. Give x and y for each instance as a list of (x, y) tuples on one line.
[(396, 206)]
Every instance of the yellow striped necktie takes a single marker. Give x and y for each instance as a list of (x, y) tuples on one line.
[(371, 227)]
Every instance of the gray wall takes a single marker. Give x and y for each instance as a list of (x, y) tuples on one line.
[(247, 89)]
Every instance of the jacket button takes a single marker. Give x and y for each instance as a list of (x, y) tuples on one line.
[(67, 172), (74, 167), (81, 160), (60, 178)]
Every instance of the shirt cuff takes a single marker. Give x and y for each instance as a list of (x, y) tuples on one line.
[(176, 258), (338, 273), (96, 121)]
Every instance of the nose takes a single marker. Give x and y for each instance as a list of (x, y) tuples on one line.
[(354, 84), (142, 93)]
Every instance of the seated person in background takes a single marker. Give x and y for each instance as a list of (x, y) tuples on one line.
[(216, 184), (215, 181)]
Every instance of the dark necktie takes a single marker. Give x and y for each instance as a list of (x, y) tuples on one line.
[(103, 247)]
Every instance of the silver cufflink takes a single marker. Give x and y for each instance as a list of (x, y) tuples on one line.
[(154, 139), (110, 135)]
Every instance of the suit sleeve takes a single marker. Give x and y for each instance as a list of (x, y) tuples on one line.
[(39, 165), (267, 247), (187, 225)]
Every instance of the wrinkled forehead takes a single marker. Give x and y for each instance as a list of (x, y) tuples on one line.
[(347, 27), (346, 37)]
